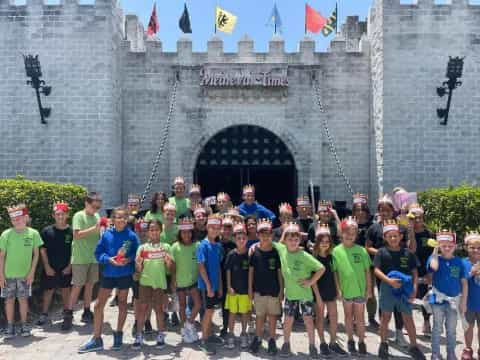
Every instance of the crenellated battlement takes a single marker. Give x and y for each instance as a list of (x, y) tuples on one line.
[(399, 7)]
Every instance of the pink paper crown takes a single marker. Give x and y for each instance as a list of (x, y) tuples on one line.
[(264, 224), (224, 196), (322, 229), (472, 237), (179, 180), (185, 224), (17, 210), (324, 205), (348, 222), (359, 198), (199, 209), (195, 189), (169, 207), (239, 228), (248, 189), (303, 201), (390, 225), (447, 236), (385, 199), (227, 221), (133, 199), (61, 206), (285, 208), (292, 228), (214, 219)]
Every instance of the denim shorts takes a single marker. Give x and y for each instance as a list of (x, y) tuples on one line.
[(360, 300), (292, 307), (16, 288), (389, 302)]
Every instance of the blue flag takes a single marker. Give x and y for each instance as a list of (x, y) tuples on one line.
[(275, 19)]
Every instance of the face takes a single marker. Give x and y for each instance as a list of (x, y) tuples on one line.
[(292, 240), (418, 222), (221, 203), (179, 190), (324, 242), (227, 231), (349, 235), (200, 218), (393, 238), (286, 217), (251, 226), (160, 202), (385, 212), (324, 216), (93, 206), (265, 236), (19, 222), (195, 197), (241, 240), (133, 208), (214, 231), (154, 232), (360, 213), (120, 220), (447, 248), (170, 216), (303, 211), (60, 217), (186, 236), (474, 251), (249, 198)]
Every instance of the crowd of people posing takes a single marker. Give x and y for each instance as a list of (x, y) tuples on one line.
[(203, 255)]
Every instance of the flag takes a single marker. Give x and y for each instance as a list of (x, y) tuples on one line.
[(331, 23), (314, 21), (153, 25), (184, 22), (224, 21), (275, 19)]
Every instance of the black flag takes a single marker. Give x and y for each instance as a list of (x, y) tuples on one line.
[(184, 22)]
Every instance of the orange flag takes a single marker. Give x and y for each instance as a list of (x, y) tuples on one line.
[(314, 21)]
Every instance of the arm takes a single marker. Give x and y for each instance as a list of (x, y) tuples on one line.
[(220, 280), (101, 252), (81, 234), (313, 280), (203, 273), (463, 300), (251, 271), (337, 285), (412, 240), (434, 260), (282, 285), (395, 283), (369, 289), (48, 269), (2, 268), (369, 247), (31, 274), (316, 293), (415, 285), (229, 282)]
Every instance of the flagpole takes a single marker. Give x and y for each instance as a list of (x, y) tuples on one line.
[(215, 18), (305, 19), (336, 22)]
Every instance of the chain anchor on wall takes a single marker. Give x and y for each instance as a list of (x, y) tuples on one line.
[(454, 71), (34, 72)]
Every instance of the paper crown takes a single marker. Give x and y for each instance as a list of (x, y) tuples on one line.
[(185, 224), (415, 210), (359, 198), (248, 189), (227, 221), (285, 208), (324, 205), (322, 229), (447, 236), (348, 222), (264, 224), (169, 207), (17, 210), (195, 189), (199, 209), (303, 201), (385, 199), (141, 225), (133, 199), (239, 228), (179, 180), (214, 219), (390, 225), (472, 237), (60, 206), (223, 196), (292, 228)]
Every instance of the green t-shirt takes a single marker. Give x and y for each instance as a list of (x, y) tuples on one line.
[(169, 235), (350, 265), (154, 273), (297, 266), (186, 266), (181, 205), (149, 216), (18, 249), (83, 249)]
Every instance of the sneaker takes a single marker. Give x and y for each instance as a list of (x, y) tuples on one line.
[(324, 350), (94, 344), (400, 339), (137, 344), (255, 345), (243, 340), (337, 349), (217, 340), (373, 324), (285, 350), (251, 328), (134, 329), (174, 320), (42, 319), (312, 351), (230, 344), (10, 332), (117, 340), (67, 320), (362, 349), (351, 347), (272, 347), (148, 328), (383, 351), (192, 331), (160, 341), (186, 335), (416, 353), (25, 331), (451, 356), (114, 302), (207, 348), (87, 316), (467, 354)]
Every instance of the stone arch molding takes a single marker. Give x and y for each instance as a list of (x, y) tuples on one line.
[(300, 155)]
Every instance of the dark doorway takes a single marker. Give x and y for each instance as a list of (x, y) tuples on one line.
[(245, 154)]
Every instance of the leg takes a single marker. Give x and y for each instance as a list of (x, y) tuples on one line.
[(102, 298), (307, 319), (372, 303), (207, 324), (23, 302), (469, 335), (384, 321), (244, 320), (231, 322), (65, 297), (272, 326), (438, 320), (74, 294), (10, 310), (359, 310), (158, 308), (259, 324), (451, 329), (87, 295), (320, 309), (348, 310), (398, 320), (333, 317), (287, 328), (122, 308), (410, 327), (182, 305), (47, 299), (197, 304)]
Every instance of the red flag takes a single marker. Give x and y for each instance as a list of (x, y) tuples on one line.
[(314, 21), (153, 25)]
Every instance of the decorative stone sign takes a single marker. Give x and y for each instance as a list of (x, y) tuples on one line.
[(243, 77)]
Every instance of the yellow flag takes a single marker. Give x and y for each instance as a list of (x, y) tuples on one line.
[(224, 20)]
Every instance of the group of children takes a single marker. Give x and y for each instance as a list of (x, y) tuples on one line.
[(236, 260)]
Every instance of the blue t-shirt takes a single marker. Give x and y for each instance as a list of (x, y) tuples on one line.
[(108, 246), (210, 255), (473, 299), (447, 279), (260, 211)]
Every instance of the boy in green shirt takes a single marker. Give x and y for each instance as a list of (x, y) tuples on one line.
[(170, 230), (351, 266), (181, 203), (19, 252)]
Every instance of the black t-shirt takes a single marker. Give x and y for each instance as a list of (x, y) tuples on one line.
[(326, 284), (423, 250), (375, 235), (388, 260), (58, 244), (226, 248), (199, 235), (362, 232), (265, 276), (238, 265), (304, 224)]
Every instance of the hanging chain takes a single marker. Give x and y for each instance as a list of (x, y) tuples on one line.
[(331, 143), (163, 141)]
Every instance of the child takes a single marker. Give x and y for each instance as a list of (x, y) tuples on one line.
[(156, 207), (228, 244), (179, 201), (237, 300), (251, 223), (251, 207), (297, 268), (472, 270), (209, 256), (170, 230), (265, 287), (449, 292), (186, 275), (326, 215), (200, 223), (395, 293), (223, 203), (326, 293), (351, 266), (152, 261), (285, 215), (19, 249)]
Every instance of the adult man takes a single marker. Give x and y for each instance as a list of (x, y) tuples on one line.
[(250, 207)]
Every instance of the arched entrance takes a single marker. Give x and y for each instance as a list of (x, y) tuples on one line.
[(247, 154)]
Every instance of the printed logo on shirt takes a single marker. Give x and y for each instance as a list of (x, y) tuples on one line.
[(27, 241), (357, 259), (297, 265), (455, 271), (245, 264), (404, 262), (272, 264), (424, 241), (68, 239)]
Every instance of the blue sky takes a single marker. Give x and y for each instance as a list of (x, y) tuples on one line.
[(252, 17)]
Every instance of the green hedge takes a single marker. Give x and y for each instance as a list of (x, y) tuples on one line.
[(456, 208)]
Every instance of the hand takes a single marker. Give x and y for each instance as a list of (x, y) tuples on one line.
[(369, 294), (168, 260), (395, 283), (305, 282), (29, 278), (339, 294), (231, 291), (49, 271), (411, 299), (3, 282), (462, 307), (210, 293), (67, 270), (252, 249), (115, 262)]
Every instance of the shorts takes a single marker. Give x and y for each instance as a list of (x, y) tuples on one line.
[(359, 300), (135, 289), (292, 307), (120, 283), (473, 316), (84, 274), (267, 305), (210, 302), (186, 289), (149, 295), (57, 281), (238, 304), (388, 302), (16, 288)]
